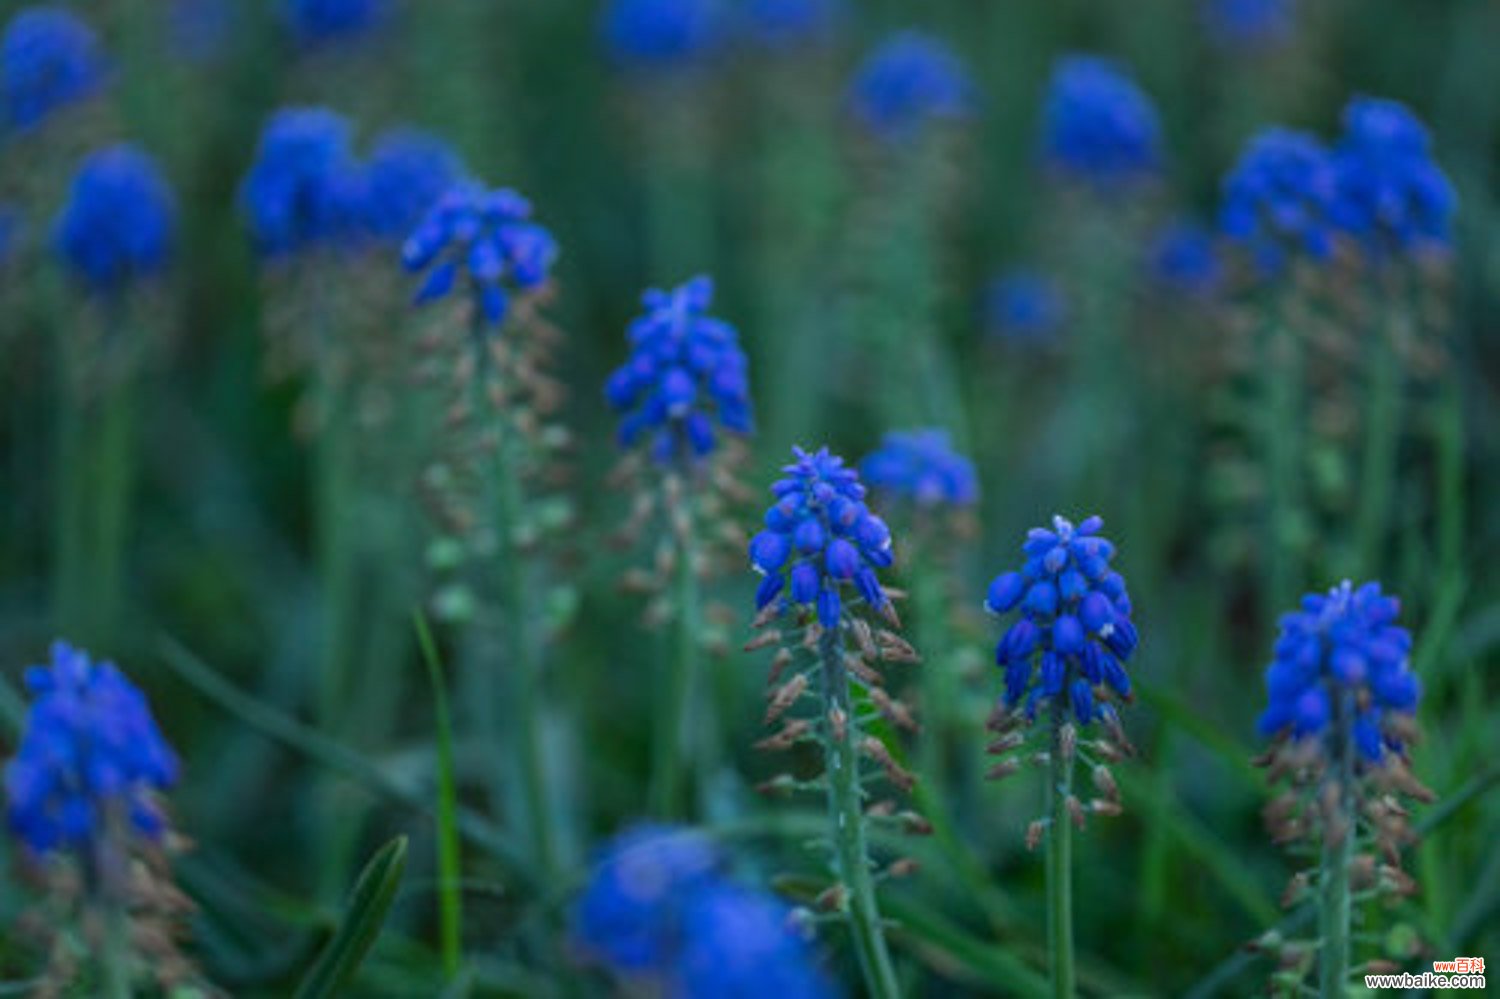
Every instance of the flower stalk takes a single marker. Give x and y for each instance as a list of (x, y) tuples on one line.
[(1060, 856)]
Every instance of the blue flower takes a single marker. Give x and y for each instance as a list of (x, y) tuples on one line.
[(1343, 652), (685, 374), (921, 466), (486, 235), (820, 538), (1026, 307), (91, 758), (1392, 197), (1183, 259), (910, 80), (630, 914), (117, 225), (407, 172), (1249, 23), (48, 60), (741, 944), (657, 34), (317, 21), (1098, 126), (781, 24), (297, 193), (1279, 199), (1074, 622)]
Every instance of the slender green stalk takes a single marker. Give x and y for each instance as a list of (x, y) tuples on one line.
[(1333, 878), (938, 694), (1060, 860), (111, 500), (1382, 436), (673, 751), (1281, 374), (115, 958), (846, 815), (449, 863)]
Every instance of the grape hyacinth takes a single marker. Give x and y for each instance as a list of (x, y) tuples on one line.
[(296, 194), (1280, 198), (406, 173), (783, 24), (1025, 307), (49, 59), (686, 376), (1392, 198), (921, 467), (823, 605), (910, 81), (1341, 706), (1098, 127), (314, 22), (659, 910), (117, 225), (1184, 260), (1249, 24), (486, 236), (661, 34)]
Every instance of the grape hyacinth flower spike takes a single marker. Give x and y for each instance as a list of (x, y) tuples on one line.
[(1341, 706), (84, 799), (683, 396), (823, 607), (908, 83), (1099, 128), (1064, 666), (49, 59), (117, 226)]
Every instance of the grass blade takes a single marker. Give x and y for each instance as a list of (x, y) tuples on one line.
[(369, 904), (449, 863)]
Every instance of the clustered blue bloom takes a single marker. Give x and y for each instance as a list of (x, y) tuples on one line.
[(921, 466), (117, 225), (48, 60), (911, 80), (819, 536), (1026, 307), (317, 21), (408, 170), (1075, 621), (487, 235), (1183, 259), (1279, 199), (1249, 23), (1392, 197), (296, 193), (91, 758), (657, 34), (782, 23), (686, 372), (1098, 126), (659, 908), (1343, 646)]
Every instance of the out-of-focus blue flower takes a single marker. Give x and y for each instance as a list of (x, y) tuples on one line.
[(1250, 24), (91, 758), (781, 24), (1025, 307), (1098, 126), (820, 538), (1074, 633), (911, 80), (1280, 198), (487, 236), (1342, 655), (1392, 197), (297, 193), (661, 34), (1183, 259), (922, 467), (406, 174), (117, 225), (316, 21), (48, 60), (741, 944), (685, 374)]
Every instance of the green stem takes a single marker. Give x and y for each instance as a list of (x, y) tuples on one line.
[(673, 752), (1333, 904), (1281, 371), (1060, 859), (1382, 436), (111, 502), (938, 694), (115, 958), (846, 815)]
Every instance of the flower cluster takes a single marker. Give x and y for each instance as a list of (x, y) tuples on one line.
[(1279, 199), (1075, 621), (487, 235), (656, 34), (1345, 645), (316, 21), (48, 60), (1025, 307), (819, 536), (686, 372), (406, 173), (117, 224), (909, 81), (1249, 24), (297, 193), (922, 467), (659, 908), (1098, 126), (779, 24), (1182, 258), (1392, 197), (91, 758)]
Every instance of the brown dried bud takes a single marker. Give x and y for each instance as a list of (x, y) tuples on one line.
[(1075, 811), (1034, 833), (779, 663), (894, 648), (785, 696), (791, 733), (869, 677), (884, 808), (864, 639), (832, 899), (1005, 768), (838, 723), (905, 867), (915, 824), (778, 786), (876, 750), (1105, 782), (1005, 743), (898, 713), (1102, 806), (1067, 739)]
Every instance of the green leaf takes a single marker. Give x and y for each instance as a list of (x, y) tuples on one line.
[(449, 863), (369, 904)]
